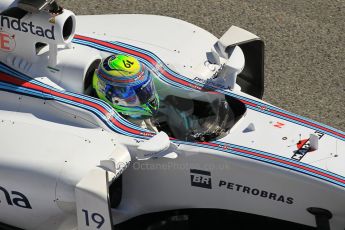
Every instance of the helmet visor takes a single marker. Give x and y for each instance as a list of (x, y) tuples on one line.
[(142, 95)]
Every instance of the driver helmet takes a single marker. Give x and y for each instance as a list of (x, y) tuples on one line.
[(127, 85)]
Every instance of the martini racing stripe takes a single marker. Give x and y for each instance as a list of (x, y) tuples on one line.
[(33, 88), (184, 82), (246, 100), (109, 117), (287, 160), (137, 54), (273, 160), (48, 89), (102, 48)]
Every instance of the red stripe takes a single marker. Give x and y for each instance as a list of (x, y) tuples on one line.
[(122, 49), (6, 78), (171, 77), (279, 160), (292, 164), (144, 56), (123, 127), (308, 122), (248, 103), (9, 79), (168, 75), (13, 80), (296, 119)]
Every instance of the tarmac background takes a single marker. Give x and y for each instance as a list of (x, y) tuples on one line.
[(305, 44)]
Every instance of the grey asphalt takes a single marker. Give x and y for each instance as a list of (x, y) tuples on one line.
[(305, 44)]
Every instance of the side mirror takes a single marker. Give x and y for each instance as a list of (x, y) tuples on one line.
[(156, 147)]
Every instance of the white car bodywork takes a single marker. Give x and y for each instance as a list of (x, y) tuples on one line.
[(61, 149)]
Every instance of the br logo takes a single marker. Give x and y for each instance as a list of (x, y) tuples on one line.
[(7, 42), (201, 178)]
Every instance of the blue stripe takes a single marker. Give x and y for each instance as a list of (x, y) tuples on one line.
[(270, 107), (107, 107), (113, 127), (296, 122), (39, 94), (148, 64), (158, 60), (269, 161), (279, 157)]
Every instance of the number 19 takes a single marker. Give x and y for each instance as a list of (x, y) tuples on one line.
[(95, 217)]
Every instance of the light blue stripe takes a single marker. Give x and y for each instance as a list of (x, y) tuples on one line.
[(97, 112), (226, 92), (107, 107), (267, 161), (158, 60), (279, 157), (296, 122), (148, 64)]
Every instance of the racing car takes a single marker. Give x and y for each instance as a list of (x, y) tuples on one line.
[(222, 156)]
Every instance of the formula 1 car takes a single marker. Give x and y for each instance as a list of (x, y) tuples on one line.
[(223, 156)]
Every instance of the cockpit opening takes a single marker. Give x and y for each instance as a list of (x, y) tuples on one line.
[(184, 114), (198, 120)]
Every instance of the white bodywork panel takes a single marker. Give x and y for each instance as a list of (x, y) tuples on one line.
[(93, 201), (50, 160), (61, 150)]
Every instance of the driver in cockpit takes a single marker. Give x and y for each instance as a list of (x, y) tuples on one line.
[(127, 85)]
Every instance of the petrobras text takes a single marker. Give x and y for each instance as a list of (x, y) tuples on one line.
[(26, 27)]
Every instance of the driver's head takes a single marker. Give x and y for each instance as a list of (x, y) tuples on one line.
[(127, 85)]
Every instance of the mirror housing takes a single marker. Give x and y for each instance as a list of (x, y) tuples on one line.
[(156, 147)]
